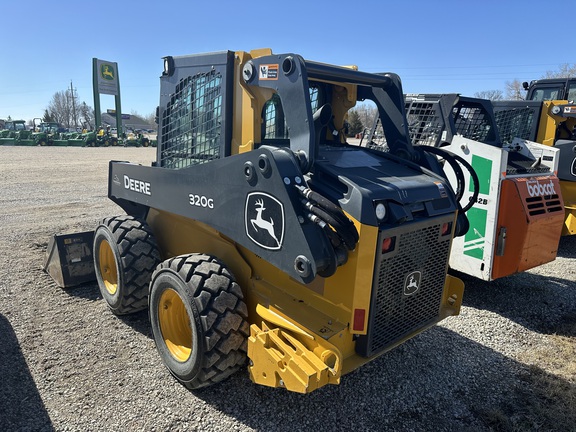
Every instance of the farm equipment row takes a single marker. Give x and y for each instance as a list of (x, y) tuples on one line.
[(16, 133)]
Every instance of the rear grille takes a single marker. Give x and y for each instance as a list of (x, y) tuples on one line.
[(540, 205), (393, 314)]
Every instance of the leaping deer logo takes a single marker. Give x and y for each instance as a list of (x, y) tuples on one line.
[(107, 73), (412, 283), (263, 223), (264, 220)]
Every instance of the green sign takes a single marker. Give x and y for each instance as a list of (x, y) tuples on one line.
[(107, 79)]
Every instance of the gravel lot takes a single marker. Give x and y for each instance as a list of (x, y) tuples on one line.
[(67, 363)]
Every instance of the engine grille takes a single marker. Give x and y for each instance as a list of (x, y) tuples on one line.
[(394, 314), (540, 205)]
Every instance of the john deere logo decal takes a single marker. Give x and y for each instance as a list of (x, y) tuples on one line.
[(107, 72), (264, 220), (412, 283)]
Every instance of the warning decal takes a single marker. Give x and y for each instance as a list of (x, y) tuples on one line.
[(268, 72)]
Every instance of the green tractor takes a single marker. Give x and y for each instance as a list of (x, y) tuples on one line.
[(101, 138), (23, 137), (12, 128), (47, 133), (75, 139), (136, 139)]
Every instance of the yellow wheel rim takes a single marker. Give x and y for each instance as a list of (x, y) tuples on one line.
[(175, 325), (108, 269)]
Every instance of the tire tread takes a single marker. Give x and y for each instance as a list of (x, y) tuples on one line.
[(223, 315), (139, 255)]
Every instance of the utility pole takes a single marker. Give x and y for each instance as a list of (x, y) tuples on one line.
[(73, 106)]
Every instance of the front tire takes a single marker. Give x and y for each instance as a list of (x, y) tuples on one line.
[(199, 319), (125, 255)]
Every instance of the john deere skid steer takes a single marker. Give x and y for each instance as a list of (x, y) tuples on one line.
[(548, 116), (260, 238), (516, 218)]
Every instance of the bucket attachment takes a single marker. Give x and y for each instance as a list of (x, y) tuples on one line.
[(69, 259)]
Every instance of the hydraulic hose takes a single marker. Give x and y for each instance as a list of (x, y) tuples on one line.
[(475, 182), (460, 182), (454, 160), (342, 231), (333, 210)]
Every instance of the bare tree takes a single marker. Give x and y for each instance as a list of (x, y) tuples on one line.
[(86, 114), (565, 70), (59, 109), (65, 109), (367, 112), (150, 118), (494, 95), (514, 90)]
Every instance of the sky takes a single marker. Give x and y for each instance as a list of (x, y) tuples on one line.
[(434, 46)]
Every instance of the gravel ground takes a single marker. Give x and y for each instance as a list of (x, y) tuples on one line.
[(67, 363)]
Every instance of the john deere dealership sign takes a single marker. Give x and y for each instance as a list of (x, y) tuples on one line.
[(105, 81), (107, 77)]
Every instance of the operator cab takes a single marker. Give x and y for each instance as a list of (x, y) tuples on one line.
[(551, 89)]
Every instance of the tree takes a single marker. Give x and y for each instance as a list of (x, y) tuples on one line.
[(565, 70), (494, 95), (86, 114), (367, 112), (47, 117), (58, 109), (356, 125), (150, 118), (514, 90), (66, 109)]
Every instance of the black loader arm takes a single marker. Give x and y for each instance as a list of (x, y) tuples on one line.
[(230, 195)]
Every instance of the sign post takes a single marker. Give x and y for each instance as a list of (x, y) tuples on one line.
[(105, 81)]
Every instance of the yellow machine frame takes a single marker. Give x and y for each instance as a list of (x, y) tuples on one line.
[(301, 336)]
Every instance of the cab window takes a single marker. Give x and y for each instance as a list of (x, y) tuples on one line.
[(572, 91), (546, 93), (274, 122)]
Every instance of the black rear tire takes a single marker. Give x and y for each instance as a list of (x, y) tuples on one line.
[(125, 256), (199, 319)]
